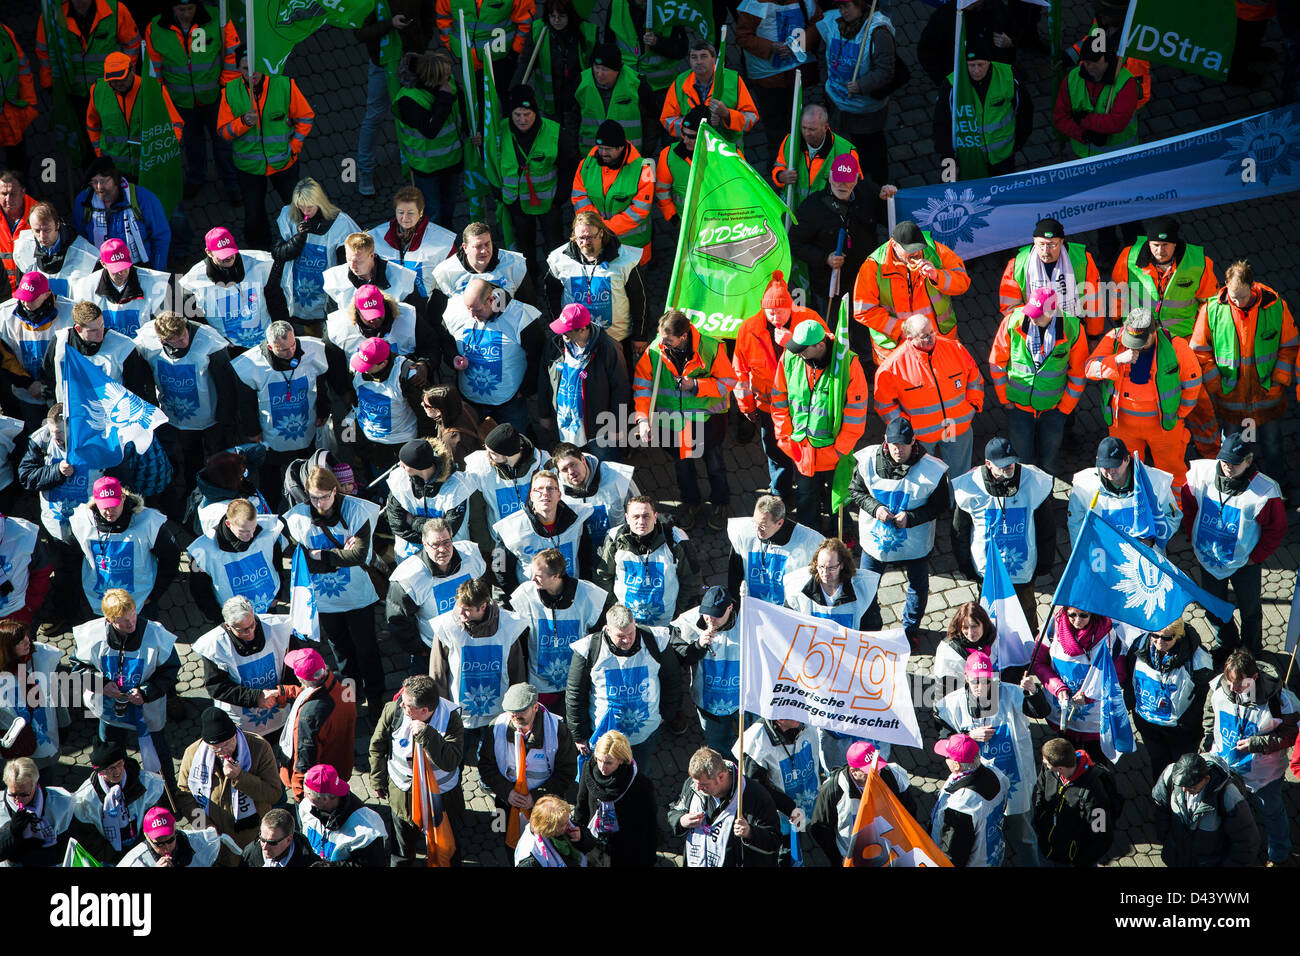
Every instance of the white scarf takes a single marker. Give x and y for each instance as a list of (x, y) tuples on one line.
[(42, 829), (114, 815), (130, 228), (203, 767), (286, 735), (1060, 279), (403, 753)]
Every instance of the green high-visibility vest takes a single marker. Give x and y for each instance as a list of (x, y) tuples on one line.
[(1076, 255), (1178, 306), (542, 78), (1080, 100), (124, 139), (729, 94), (623, 108), (994, 136), (813, 416), (680, 169), (269, 142), (192, 76), (429, 155), (1227, 350), (670, 397), (619, 197), (655, 68), (480, 22), (86, 67), (1038, 387), (802, 187), (537, 169), (1169, 382), (944, 318), (9, 72)]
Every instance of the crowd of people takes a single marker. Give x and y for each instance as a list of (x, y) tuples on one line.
[(440, 429)]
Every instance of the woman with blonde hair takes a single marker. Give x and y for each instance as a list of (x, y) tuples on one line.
[(617, 799), (552, 838), (312, 233), (1171, 672)]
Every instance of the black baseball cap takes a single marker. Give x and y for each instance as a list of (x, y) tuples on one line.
[(1000, 452)]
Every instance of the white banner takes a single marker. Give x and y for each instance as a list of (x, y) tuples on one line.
[(798, 667)]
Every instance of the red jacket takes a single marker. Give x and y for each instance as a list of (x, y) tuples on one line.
[(757, 357), (324, 731), (1272, 524)]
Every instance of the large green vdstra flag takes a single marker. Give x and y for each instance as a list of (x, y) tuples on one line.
[(1196, 37), (276, 26), (732, 239)]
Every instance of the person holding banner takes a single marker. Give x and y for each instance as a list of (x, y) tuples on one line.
[(1170, 670), (838, 799), (1065, 664), (732, 112), (707, 641), (1096, 106), (708, 813), (993, 113), (782, 755), (832, 586), (1132, 496)]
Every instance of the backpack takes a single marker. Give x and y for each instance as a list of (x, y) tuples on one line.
[(1117, 800)]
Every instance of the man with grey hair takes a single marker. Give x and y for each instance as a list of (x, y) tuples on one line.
[(424, 585), (243, 666), (764, 548), (819, 147), (1150, 383), (707, 813), (34, 820)]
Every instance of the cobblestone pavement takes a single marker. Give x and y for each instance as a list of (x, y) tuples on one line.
[(330, 68)]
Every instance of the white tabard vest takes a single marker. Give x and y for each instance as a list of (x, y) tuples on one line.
[(109, 359), (883, 541), (133, 667), (10, 429), (17, 545), (1073, 669), (28, 344), (57, 810), (343, 589), (552, 631), (303, 278), (118, 560), (435, 245), (502, 496), (126, 317), (214, 512), (251, 574), (865, 584), (206, 845), (340, 330), (647, 584), (778, 23), (625, 691), (766, 563), (606, 504), (477, 665), (435, 596), (186, 391), (286, 401), (382, 411), (538, 764), (1162, 698), (1227, 528), (236, 310), (88, 806), (601, 287), (520, 538), (80, 260), (1009, 520), (846, 805), (986, 817), (1234, 722), (59, 502), (401, 282), (451, 494), (1120, 510), (494, 349), (360, 830), (716, 684), (402, 751), (261, 670), (452, 277), (794, 769), (706, 845), (1010, 749), (846, 59), (44, 717), (541, 850)]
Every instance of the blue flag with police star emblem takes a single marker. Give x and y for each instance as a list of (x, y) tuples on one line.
[(103, 416)]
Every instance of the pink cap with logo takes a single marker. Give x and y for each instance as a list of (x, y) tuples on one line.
[(861, 755), (1041, 300), (306, 663), (371, 354), (572, 316), (32, 287), (979, 665), (323, 778), (107, 491), (958, 747), (369, 301), (159, 822), (219, 239), (845, 169), (115, 255)]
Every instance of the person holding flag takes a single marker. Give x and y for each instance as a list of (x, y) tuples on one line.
[(708, 813), (709, 83), (835, 813), (783, 755), (707, 642), (110, 353), (1096, 105), (614, 182), (992, 112), (817, 150), (673, 168), (503, 25), (1131, 495)]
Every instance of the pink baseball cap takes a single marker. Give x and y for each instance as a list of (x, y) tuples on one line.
[(159, 822), (371, 354), (108, 491), (115, 255), (978, 665), (32, 287), (846, 169), (1041, 300), (862, 755), (572, 316), (323, 778), (958, 747), (219, 239), (369, 301), (305, 662)]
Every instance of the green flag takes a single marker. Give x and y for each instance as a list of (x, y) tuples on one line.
[(76, 855), (494, 132), (695, 15), (161, 169), (1197, 38), (276, 26), (841, 369), (731, 239)]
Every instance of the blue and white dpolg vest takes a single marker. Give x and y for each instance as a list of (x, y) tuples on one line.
[(340, 329), (401, 760), (109, 358), (521, 539), (1073, 669), (435, 246), (435, 596), (214, 512), (625, 688), (865, 583), (118, 560), (383, 414), (986, 818), (539, 764), (1121, 510), (883, 541), (205, 843), (360, 830), (28, 344), (716, 684), (126, 318), (1163, 698), (1227, 530), (88, 806), (841, 59), (81, 259), (606, 504), (1010, 749), (339, 288), (766, 563), (478, 665), (552, 631), (343, 589), (1234, 722), (794, 769), (286, 401), (10, 429), (250, 574), (1009, 520), (261, 670), (494, 349), (451, 277), (451, 494), (778, 23), (647, 583), (59, 502), (187, 392), (303, 279), (600, 286), (237, 310), (137, 666), (502, 496), (17, 545), (44, 717)]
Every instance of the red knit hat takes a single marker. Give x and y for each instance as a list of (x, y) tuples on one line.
[(776, 295)]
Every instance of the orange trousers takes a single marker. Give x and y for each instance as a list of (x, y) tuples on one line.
[(1168, 450)]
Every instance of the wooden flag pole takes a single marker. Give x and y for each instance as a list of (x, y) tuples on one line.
[(866, 42), (537, 48)]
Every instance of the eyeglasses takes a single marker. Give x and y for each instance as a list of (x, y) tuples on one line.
[(328, 496), (440, 544)]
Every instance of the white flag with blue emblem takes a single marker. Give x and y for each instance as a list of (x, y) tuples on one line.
[(103, 416), (1015, 641), (303, 616)]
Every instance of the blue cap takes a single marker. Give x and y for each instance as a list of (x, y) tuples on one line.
[(1000, 452), (715, 602)]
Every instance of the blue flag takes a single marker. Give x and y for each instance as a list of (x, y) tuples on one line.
[(303, 615), (102, 415), (1110, 573), (1146, 507), (1015, 640), (1102, 684)]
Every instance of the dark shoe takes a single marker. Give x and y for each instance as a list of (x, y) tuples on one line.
[(913, 638), (678, 724), (718, 517), (52, 629), (686, 517)]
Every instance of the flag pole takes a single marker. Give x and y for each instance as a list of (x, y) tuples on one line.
[(792, 147), (957, 67), (466, 72), (649, 15), (1123, 45), (722, 62), (866, 41), (537, 48), (252, 46)]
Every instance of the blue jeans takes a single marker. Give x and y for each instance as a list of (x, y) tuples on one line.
[(918, 591), (377, 107), (514, 412), (643, 751), (200, 125), (440, 191), (1036, 440), (1277, 828), (780, 469), (713, 434), (720, 733)]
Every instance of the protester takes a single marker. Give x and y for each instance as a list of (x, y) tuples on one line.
[(764, 548), (545, 522), (166, 845), (1096, 105), (707, 813), (35, 820), (111, 118), (127, 293), (967, 817), (840, 796), (708, 83), (279, 843), (311, 231), (782, 755), (832, 586), (26, 665), (597, 271), (707, 641), (241, 317), (970, 630), (53, 248), (551, 838), (413, 240), (1074, 807), (321, 725), (537, 159), (816, 153), (1066, 268), (646, 565), (1064, 666), (402, 29), (526, 731), (603, 486), (238, 558), (341, 829), (363, 268), (1171, 671), (617, 798), (1203, 815), (993, 112), (16, 206), (110, 806), (1130, 494)]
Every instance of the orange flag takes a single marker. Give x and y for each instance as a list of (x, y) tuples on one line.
[(515, 826), (884, 834), (427, 812)]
